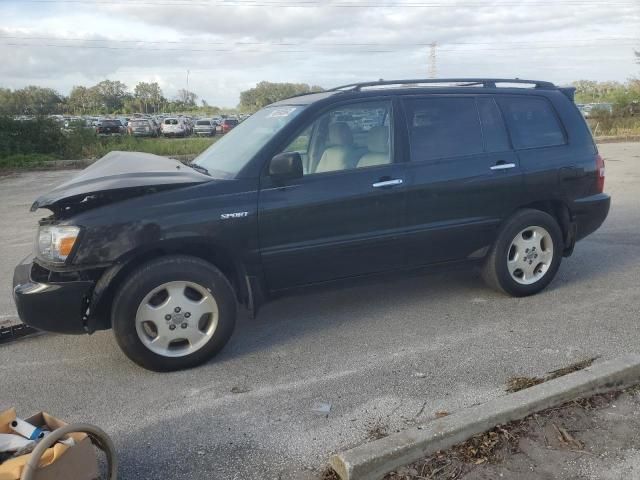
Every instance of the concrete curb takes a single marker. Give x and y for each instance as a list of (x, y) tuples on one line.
[(373, 460)]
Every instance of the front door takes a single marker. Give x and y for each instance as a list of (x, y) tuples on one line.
[(344, 216)]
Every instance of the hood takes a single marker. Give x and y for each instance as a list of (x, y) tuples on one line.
[(119, 175)]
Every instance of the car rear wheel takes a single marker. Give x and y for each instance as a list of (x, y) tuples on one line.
[(526, 255), (173, 313)]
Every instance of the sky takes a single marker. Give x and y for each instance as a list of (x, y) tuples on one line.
[(217, 48)]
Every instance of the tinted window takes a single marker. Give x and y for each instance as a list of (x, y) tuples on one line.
[(443, 127), (493, 129), (532, 122)]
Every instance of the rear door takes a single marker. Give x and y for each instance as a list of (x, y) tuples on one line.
[(456, 196), (344, 217)]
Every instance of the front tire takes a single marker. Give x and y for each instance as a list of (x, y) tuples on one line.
[(173, 313), (526, 255)]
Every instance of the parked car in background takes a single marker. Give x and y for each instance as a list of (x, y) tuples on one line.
[(142, 127), (205, 126), (227, 124), (110, 127), (174, 127)]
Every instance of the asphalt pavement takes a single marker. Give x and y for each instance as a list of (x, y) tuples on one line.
[(383, 353)]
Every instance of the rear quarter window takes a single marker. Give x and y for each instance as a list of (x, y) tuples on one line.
[(532, 122)]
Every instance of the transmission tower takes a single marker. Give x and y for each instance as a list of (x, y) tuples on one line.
[(433, 66)]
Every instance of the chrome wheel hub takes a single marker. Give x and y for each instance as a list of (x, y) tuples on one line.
[(530, 255), (177, 318)]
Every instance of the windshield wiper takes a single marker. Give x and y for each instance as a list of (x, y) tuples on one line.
[(199, 168)]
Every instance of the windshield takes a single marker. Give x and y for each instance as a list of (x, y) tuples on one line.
[(171, 121), (203, 122), (226, 157)]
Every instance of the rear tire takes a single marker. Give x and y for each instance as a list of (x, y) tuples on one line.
[(526, 255), (173, 313)]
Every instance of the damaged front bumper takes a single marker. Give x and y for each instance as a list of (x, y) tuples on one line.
[(54, 306)]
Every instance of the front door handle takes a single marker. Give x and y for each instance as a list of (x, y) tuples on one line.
[(388, 183), (503, 166)]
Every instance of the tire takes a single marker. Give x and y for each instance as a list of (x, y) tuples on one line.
[(138, 313), (526, 255)]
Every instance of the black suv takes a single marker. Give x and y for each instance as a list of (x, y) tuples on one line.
[(362, 179)]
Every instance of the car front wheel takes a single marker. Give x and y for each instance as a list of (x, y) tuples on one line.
[(174, 313), (526, 255)]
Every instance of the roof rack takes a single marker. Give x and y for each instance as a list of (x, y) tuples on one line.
[(459, 82)]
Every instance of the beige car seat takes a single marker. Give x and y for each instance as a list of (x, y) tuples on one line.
[(378, 146), (338, 154)]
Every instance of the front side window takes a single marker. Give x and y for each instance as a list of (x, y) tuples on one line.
[(345, 138), (532, 122), (443, 127), (229, 155)]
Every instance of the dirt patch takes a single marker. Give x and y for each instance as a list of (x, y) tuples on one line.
[(592, 438), (329, 474), (515, 384), (377, 430)]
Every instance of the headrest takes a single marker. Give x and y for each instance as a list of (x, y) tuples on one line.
[(340, 134), (378, 140)]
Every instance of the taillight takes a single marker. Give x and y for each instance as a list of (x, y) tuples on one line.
[(600, 173)]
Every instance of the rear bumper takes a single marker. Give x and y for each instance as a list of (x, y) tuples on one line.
[(54, 307), (589, 213)]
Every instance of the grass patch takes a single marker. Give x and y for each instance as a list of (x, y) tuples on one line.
[(157, 146), (26, 161), (608, 125)]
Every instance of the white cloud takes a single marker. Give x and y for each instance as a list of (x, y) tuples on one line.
[(228, 49)]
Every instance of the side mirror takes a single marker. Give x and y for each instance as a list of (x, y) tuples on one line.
[(286, 166)]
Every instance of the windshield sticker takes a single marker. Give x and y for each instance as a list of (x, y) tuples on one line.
[(281, 112)]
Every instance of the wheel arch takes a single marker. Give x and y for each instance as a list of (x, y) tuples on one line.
[(111, 279), (559, 210)]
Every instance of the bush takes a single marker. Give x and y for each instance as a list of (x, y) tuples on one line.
[(39, 136)]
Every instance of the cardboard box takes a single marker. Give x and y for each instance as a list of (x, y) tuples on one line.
[(60, 462)]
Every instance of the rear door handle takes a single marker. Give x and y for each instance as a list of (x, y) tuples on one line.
[(388, 183), (503, 166)]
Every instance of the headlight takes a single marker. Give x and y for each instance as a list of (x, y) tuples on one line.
[(54, 243)]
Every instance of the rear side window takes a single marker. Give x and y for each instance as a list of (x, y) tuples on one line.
[(532, 122), (443, 127), (494, 131)]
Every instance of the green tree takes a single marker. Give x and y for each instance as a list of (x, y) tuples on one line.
[(186, 99), (82, 100), (265, 93), (7, 102), (111, 95), (34, 100), (148, 96)]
